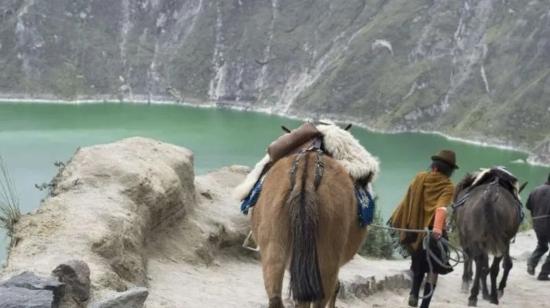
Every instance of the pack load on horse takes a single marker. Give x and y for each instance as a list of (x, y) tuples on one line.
[(333, 141), (305, 208), (488, 212)]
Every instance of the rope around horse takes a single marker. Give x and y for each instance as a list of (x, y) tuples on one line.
[(540, 217), (441, 244)]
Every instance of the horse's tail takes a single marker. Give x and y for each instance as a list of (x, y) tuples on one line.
[(494, 230), (305, 276)]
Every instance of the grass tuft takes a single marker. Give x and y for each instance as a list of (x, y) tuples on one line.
[(10, 213), (379, 243)]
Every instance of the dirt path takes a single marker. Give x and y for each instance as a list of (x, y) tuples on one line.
[(189, 266), (522, 290), (235, 283)]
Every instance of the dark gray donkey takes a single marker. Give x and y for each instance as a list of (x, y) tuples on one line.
[(488, 214)]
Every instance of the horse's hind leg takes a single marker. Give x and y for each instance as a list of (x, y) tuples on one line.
[(484, 273), (273, 267), (472, 300), (330, 284), (332, 303), (507, 266), (276, 302), (467, 274), (494, 274)]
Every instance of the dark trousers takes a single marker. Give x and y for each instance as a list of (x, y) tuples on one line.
[(420, 268), (542, 248)]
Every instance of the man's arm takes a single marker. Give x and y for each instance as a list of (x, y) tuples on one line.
[(443, 201), (529, 204)]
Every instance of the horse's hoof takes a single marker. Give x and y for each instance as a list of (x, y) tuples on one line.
[(500, 293), (465, 287), (530, 270), (413, 301), (276, 302), (494, 299), (486, 296), (472, 302)]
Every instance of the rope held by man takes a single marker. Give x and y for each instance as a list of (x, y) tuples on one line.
[(442, 243)]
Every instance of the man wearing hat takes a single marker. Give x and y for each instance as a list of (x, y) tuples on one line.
[(428, 191)]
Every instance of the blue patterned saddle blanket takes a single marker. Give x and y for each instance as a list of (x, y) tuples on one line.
[(365, 202)]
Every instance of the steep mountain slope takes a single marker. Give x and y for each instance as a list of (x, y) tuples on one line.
[(475, 69)]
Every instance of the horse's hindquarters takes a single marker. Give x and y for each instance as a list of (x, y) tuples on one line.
[(304, 224), (488, 220)]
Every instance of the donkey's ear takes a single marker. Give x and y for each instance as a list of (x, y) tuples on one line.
[(285, 129), (522, 187), (348, 127)]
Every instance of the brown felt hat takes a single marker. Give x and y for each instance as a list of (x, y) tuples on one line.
[(446, 156)]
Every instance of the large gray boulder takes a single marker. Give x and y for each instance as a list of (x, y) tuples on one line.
[(134, 298), (31, 281), (103, 206), (29, 290), (25, 298)]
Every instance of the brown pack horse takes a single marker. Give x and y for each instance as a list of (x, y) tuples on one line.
[(306, 219)]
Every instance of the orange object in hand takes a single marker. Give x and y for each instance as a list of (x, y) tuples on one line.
[(439, 222)]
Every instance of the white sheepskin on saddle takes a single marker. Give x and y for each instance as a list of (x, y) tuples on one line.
[(340, 144), (348, 151), (483, 171), (242, 190), (479, 174)]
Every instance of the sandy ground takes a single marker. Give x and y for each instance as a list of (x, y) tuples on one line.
[(522, 290), (235, 283), (229, 279)]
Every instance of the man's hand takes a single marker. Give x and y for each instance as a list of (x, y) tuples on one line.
[(436, 235)]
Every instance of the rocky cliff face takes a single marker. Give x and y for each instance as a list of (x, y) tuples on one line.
[(473, 69), (103, 209)]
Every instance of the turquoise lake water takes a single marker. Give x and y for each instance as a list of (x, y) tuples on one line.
[(34, 136)]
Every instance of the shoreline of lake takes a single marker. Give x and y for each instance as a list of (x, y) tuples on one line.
[(270, 111)]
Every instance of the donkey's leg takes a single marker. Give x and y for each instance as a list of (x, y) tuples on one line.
[(494, 274), (472, 300), (273, 267), (507, 266), (484, 273), (467, 273)]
